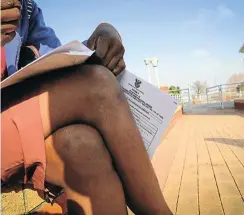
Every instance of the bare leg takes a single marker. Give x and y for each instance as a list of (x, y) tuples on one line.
[(78, 161), (92, 96)]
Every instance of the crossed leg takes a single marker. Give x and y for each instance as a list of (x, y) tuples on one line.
[(93, 147)]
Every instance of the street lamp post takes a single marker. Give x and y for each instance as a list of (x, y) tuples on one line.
[(189, 97), (154, 62), (147, 61)]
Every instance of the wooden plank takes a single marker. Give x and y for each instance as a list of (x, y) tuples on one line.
[(188, 196), (233, 205), (209, 200), (236, 130), (224, 179), (165, 154), (232, 162), (230, 139), (172, 186)]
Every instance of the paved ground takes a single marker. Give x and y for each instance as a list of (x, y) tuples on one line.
[(19, 201), (200, 165)]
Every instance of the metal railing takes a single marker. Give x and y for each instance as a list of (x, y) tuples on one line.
[(183, 96), (224, 93), (219, 95)]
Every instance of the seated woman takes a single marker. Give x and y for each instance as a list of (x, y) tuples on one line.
[(74, 128)]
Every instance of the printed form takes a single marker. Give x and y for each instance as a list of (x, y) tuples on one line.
[(152, 109)]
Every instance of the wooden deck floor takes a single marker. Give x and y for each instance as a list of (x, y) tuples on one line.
[(200, 165)]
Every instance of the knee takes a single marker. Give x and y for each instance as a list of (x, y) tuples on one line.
[(83, 151), (103, 85)]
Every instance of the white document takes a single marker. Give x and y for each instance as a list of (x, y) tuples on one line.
[(152, 109)]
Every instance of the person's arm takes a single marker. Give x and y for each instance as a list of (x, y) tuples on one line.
[(40, 36)]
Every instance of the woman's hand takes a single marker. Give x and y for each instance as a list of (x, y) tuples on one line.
[(10, 16), (107, 43)]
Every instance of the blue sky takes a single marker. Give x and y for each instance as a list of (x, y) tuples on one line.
[(193, 39)]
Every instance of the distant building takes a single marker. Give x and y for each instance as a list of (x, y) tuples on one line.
[(242, 49)]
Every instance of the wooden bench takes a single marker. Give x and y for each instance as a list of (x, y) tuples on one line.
[(239, 104)]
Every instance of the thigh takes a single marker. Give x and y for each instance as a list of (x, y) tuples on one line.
[(67, 95)]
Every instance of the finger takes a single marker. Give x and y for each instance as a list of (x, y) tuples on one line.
[(102, 47), (91, 43), (9, 26), (120, 67), (116, 49), (6, 38), (115, 60), (7, 4), (10, 14)]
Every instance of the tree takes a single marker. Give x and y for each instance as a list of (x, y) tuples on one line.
[(174, 90), (199, 87)]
